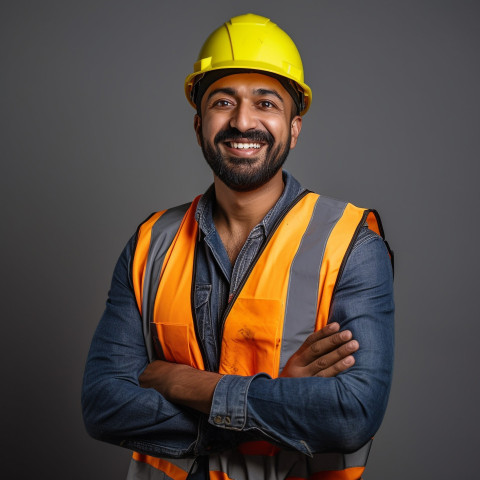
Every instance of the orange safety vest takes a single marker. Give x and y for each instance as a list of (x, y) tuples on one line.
[(291, 282)]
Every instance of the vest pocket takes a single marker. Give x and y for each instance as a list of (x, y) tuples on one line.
[(175, 341), (252, 337)]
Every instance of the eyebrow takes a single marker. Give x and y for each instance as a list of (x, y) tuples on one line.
[(226, 91), (232, 92), (265, 91)]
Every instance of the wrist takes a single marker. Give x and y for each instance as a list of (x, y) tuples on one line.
[(193, 388)]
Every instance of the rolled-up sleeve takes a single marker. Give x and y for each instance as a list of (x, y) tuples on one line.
[(341, 413)]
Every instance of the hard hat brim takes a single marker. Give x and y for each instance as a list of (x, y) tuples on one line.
[(251, 66)]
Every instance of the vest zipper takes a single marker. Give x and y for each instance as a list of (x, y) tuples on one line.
[(252, 265)]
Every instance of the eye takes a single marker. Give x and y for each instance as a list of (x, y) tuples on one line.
[(221, 103), (267, 104)]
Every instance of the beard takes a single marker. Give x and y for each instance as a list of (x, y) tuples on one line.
[(245, 174)]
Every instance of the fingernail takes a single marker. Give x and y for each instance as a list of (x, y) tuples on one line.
[(353, 345), (348, 360), (346, 335)]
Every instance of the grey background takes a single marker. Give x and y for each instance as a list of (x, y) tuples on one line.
[(96, 134)]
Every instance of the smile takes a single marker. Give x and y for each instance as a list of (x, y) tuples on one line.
[(243, 145)]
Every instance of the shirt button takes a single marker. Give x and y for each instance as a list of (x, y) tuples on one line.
[(227, 420), (218, 420)]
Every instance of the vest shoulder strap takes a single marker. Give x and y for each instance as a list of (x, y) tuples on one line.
[(154, 238)]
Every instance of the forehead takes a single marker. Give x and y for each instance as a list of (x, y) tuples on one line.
[(249, 84)]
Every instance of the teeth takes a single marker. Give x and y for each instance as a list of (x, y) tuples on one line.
[(245, 145)]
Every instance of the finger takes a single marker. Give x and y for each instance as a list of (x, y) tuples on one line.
[(325, 345), (337, 367), (324, 332), (333, 359)]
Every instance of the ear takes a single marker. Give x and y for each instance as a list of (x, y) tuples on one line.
[(197, 125), (295, 128)]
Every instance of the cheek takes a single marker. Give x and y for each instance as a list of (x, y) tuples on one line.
[(210, 127), (277, 125), (280, 131)]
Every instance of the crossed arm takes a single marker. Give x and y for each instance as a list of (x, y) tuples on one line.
[(324, 353), (326, 396)]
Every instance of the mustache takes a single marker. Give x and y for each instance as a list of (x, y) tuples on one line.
[(233, 134)]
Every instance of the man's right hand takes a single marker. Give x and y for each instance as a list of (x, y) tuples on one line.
[(324, 353)]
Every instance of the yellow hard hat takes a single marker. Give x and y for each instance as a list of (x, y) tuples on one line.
[(251, 42)]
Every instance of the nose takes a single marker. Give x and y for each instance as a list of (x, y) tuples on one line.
[(243, 117)]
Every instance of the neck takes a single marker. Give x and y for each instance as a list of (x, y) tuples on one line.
[(246, 209), (236, 213)]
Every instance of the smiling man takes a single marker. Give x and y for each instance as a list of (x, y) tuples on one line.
[(248, 334), (249, 124)]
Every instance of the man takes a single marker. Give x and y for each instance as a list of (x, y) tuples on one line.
[(226, 348)]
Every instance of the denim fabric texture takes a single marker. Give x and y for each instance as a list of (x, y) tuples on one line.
[(348, 409)]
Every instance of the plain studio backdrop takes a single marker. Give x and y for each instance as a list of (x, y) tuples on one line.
[(96, 134)]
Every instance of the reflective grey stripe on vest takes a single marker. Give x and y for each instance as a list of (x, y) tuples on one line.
[(285, 463), (163, 233), (331, 461), (301, 308), (144, 471)]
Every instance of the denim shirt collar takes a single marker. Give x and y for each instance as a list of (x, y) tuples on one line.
[(204, 211)]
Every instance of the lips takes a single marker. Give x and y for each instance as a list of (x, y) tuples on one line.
[(245, 148)]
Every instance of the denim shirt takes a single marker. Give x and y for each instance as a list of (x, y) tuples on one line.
[(310, 415)]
